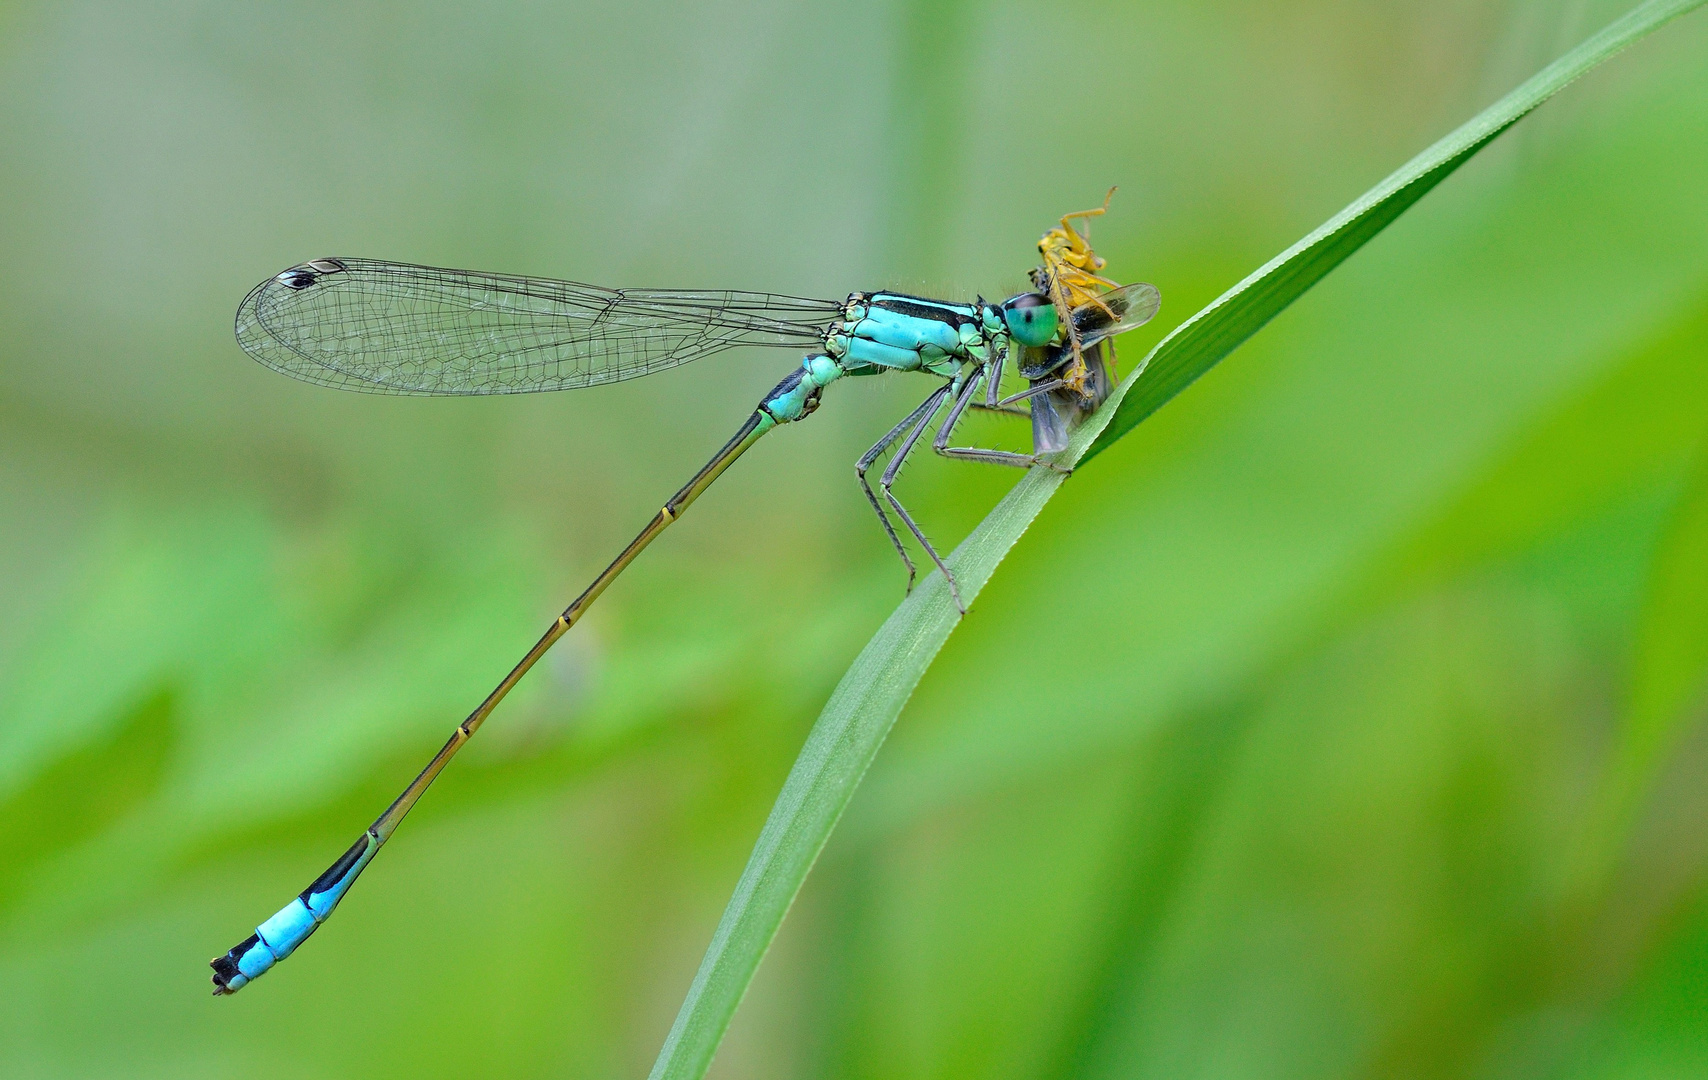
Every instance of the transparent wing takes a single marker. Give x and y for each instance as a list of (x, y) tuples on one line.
[(392, 328), (1116, 312)]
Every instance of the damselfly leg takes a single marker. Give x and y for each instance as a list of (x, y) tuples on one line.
[(912, 428), (975, 453), (870, 457), (993, 401), (924, 413)]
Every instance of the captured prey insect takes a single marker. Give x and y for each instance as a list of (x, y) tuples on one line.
[(391, 328)]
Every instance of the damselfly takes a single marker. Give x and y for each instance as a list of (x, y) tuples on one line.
[(392, 328)]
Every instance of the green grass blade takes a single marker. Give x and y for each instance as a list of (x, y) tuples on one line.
[(846, 738), (1200, 342), (1669, 674), (837, 753)]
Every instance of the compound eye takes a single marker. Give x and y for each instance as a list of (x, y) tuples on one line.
[(1031, 320)]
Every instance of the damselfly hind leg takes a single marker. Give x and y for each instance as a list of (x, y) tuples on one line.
[(868, 459), (921, 418)]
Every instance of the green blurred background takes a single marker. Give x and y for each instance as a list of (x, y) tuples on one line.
[(1346, 720)]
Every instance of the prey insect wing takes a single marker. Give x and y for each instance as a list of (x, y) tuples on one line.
[(1116, 312), (394, 328)]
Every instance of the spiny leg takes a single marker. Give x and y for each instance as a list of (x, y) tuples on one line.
[(974, 453), (993, 377), (1033, 391), (873, 455), (924, 412), (993, 389)]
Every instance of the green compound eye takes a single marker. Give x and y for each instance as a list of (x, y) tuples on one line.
[(1031, 320)]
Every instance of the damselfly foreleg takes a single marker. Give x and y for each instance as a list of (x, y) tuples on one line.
[(993, 389), (1034, 391), (976, 453)]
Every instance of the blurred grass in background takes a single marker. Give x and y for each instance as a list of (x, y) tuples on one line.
[(1347, 719)]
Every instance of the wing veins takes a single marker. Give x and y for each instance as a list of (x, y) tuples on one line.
[(395, 328)]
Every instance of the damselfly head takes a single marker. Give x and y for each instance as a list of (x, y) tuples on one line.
[(1031, 319), (301, 277)]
